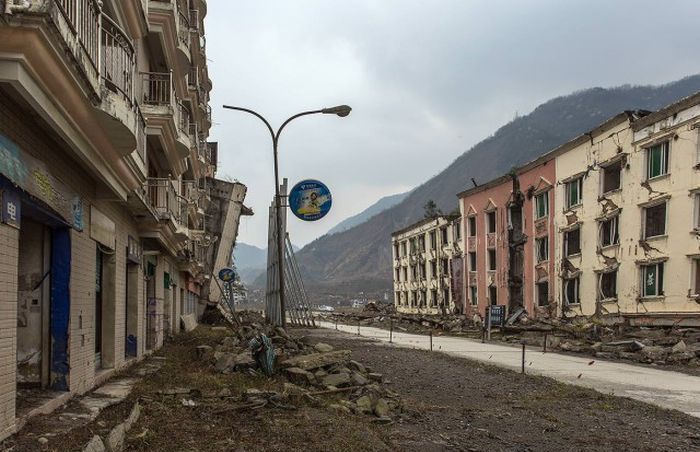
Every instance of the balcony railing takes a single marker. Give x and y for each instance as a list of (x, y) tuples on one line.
[(164, 199), (141, 136), (193, 77), (118, 63), (184, 31), (83, 17), (157, 88), (183, 118)]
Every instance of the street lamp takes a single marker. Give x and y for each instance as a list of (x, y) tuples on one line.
[(339, 110)]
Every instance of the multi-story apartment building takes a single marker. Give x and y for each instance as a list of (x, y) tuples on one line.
[(425, 255), (105, 178), (508, 240)]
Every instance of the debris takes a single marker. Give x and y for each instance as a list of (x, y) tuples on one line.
[(680, 347), (381, 409), (316, 360), (337, 380), (323, 348), (264, 352), (188, 402)]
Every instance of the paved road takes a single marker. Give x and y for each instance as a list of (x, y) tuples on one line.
[(666, 389)]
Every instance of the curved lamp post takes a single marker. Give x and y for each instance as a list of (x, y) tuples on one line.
[(341, 111)]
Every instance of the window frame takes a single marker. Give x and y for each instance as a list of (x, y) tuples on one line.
[(566, 242), (696, 211), (694, 291), (645, 210), (538, 243), (472, 268), (567, 192), (492, 261), (665, 159), (577, 289), (538, 294), (541, 196), (474, 295), (601, 234), (601, 294), (471, 226), (659, 287), (488, 215), (604, 169)]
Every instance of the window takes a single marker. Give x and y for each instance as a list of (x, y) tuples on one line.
[(695, 283), (608, 285), (412, 242), (396, 250), (405, 273), (421, 243), (398, 275), (696, 217), (543, 293), (433, 297), (443, 232), (493, 295), (572, 242), (446, 297), (424, 270), (433, 268), (403, 248), (492, 260), (414, 272), (573, 192), (657, 160), (472, 290), (472, 261), (542, 249), (541, 205), (458, 230), (397, 297), (655, 220), (608, 232), (423, 298), (490, 222), (653, 280), (611, 176), (446, 266), (433, 240), (472, 226), (414, 298), (571, 291)]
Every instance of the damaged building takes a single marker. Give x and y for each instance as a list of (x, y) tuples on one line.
[(426, 256), (106, 176)]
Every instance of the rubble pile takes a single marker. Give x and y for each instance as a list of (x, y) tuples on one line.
[(314, 374), (458, 325)]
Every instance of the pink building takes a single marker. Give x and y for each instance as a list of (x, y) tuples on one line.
[(509, 240)]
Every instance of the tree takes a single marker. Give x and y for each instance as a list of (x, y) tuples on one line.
[(431, 209)]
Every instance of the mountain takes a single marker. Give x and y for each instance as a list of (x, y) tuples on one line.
[(378, 207), (359, 259), (251, 261)]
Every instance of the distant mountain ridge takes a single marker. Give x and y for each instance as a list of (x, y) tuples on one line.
[(376, 208), (359, 259)]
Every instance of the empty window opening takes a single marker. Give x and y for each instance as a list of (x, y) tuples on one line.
[(608, 232), (572, 242), (571, 291), (611, 176), (542, 248), (655, 220)]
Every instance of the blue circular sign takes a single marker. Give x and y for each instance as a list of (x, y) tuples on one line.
[(227, 274), (310, 200)]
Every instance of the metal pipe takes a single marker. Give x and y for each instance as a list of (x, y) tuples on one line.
[(522, 362)]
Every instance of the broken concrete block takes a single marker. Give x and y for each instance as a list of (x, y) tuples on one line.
[(95, 445), (203, 351), (133, 417), (680, 347), (653, 353), (316, 360), (323, 348), (115, 439), (375, 377), (300, 376), (680, 357), (364, 404), (229, 362), (358, 379), (381, 409), (340, 408), (357, 366), (337, 380)]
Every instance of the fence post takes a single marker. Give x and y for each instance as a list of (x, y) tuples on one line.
[(431, 340), (336, 323), (391, 330), (545, 343), (358, 327), (522, 363)]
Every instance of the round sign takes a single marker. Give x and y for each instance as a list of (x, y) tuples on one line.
[(227, 274), (310, 200)]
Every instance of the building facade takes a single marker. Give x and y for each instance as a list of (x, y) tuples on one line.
[(426, 256), (508, 240), (105, 178)]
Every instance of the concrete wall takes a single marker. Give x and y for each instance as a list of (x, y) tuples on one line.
[(9, 252)]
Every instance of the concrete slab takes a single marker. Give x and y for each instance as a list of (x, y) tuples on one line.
[(667, 389), (119, 389)]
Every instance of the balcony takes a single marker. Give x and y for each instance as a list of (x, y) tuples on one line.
[(168, 205), (162, 112), (170, 30)]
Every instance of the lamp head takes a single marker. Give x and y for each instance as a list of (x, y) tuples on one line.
[(340, 110)]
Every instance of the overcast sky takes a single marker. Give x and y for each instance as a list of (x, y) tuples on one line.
[(426, 81)]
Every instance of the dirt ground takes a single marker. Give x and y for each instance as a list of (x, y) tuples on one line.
[(449, 404)]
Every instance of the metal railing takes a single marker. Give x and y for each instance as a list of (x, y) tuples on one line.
[(184, 119), (117, 64), (141, 136), (83, 17), (163, 197), (184, 28), (157, 88), (193, 77)]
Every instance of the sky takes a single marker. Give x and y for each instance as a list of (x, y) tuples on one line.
[(426, 80)]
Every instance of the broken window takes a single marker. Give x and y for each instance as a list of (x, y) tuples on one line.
[(433, 268), (472, 226), (608, 232), (424, 270), (433, 297), (412, 243), (695, 289), (657, 160), (472, 290), (446, 266), (492, 260), (571, 291), (542, 249), (421, 243), (543, 293), (573, 192), (491, 222), (541, 205), (405, 273), (458, 230), (396, 250), (443, 232), (472, 261), (398, 275), (653, 280), (397, 298), (423, 298), (572, 242), (403, 248), (446, 296), (493, 295), (608, 285), (655, 220), (433, 240), (414, 272), (611, 176)]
